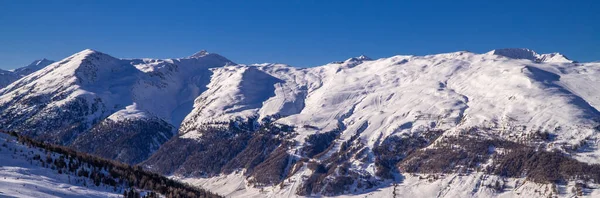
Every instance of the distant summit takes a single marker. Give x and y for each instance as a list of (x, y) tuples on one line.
[(9, 76), (524, 53), (199, 54), (358, 58), (33, 67)]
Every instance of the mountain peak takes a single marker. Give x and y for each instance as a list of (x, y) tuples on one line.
[(515, 53), (39, 62), (199, 54), (87, 51), (32, 67), (524, 53), (363, 57), (358, 58), (555, 58), (207, 56), (90, 54)]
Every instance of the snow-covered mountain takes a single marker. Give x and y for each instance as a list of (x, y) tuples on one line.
[(348, 115), (521, 53), (454, 124), (33, 67), (93, 93), (7, 77)]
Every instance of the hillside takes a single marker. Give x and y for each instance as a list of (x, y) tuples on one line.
[(361, 124), (92, 93), (510, 122), (33, 169)]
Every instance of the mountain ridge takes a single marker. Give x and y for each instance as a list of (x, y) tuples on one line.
[(341, 128), (524, 53), (9, 76)]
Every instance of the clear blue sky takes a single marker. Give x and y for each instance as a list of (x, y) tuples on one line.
[(300, 33)]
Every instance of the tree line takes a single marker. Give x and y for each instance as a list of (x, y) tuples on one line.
[(110, 173)]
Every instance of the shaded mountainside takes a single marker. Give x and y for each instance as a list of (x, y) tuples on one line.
[(135, 139), (483, 124), (7, 77), (258, 151)]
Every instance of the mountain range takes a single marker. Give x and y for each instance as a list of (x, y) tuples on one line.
[(510, 122)]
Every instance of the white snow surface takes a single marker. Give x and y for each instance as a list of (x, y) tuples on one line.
[(446, 186), (407, 94), (129, 88), (20, 178), (32, 67), (7, 77), (522, 53)]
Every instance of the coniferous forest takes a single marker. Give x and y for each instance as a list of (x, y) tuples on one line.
[(88, 170)]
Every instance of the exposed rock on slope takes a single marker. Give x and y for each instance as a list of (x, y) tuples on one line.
[(377, 114)]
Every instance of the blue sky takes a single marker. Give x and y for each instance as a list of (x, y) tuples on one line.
[(301, 33)]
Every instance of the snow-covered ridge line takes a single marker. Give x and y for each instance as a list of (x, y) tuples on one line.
[(293, 79), (340, 112), (7, 77), (523, 53), (509, 97), (70, 97)]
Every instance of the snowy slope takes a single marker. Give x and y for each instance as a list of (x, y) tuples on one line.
[(69, 97), (20, 177), (445, 91), (32, 67), (31, 168), (120, 83), (7, 77), (521, 53), (512, 93), (354, 121), (452, 185)]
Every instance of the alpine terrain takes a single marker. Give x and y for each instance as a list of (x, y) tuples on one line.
[(507, 123), (30, 168), (7, 77)]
